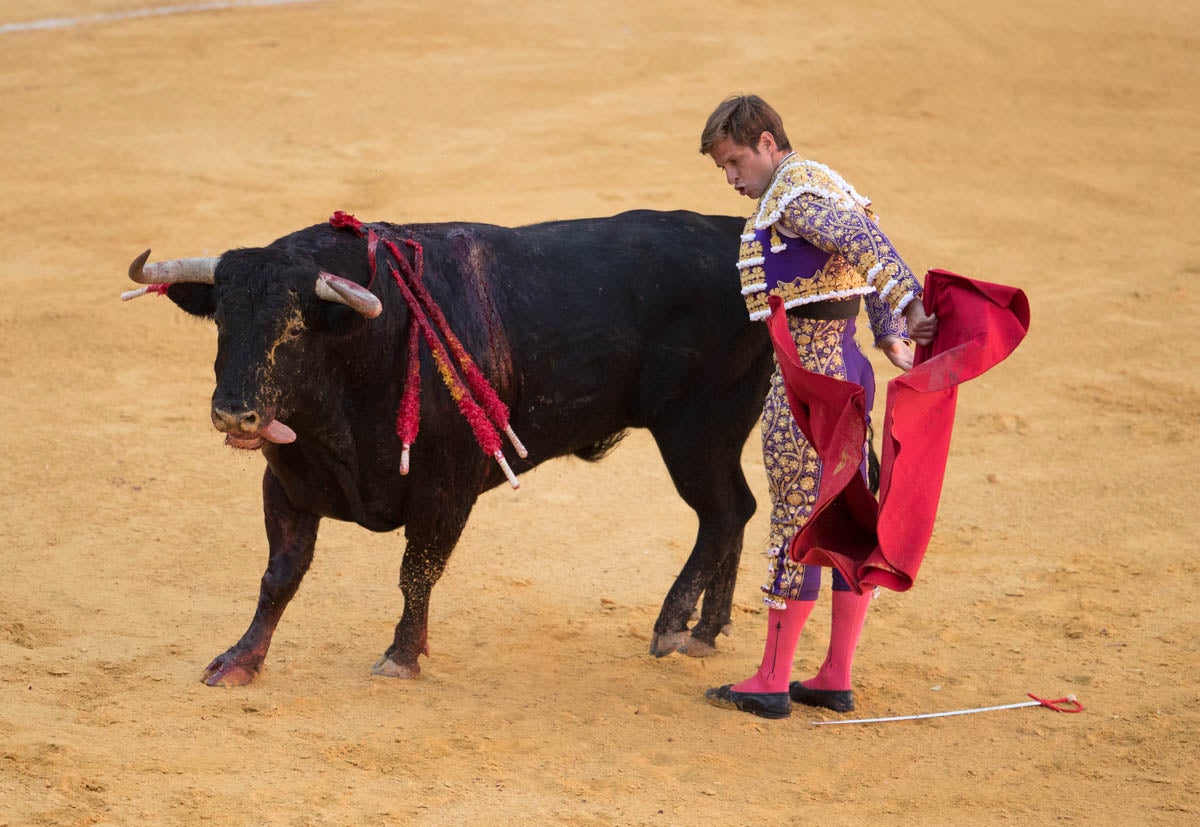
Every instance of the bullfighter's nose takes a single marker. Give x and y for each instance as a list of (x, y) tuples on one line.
[(229, 422)]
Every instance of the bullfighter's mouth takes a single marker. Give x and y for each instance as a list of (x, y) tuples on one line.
[(273, 431)]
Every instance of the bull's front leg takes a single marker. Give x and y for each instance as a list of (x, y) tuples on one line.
[(430, 542), (291, 535)]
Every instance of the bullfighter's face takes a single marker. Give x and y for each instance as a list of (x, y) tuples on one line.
[(748, 169)]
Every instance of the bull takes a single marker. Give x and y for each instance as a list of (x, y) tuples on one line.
[(584, 328)]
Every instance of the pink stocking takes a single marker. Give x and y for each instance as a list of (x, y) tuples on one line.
[(849, 612), (783, 632)]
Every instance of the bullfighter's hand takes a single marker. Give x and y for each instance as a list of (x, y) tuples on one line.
[(921, 327), (897, 351)]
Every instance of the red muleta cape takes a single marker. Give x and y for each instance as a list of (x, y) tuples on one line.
[(882, 543)]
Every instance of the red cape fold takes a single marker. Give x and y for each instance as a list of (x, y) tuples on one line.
[(881, 543)]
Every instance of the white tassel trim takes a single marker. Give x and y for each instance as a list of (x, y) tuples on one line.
[(873, 272), (904, 302), (887, 288), (778, 248), (751, 262), (762, 223), (848, 197), (758, 315), (754, 288), (748, 236), (836, 294), (862, 200)]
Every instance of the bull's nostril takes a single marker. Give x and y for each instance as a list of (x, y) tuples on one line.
[(223, 420), (230, 421)]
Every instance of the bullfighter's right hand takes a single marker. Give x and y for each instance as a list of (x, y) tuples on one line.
[(921, 327)]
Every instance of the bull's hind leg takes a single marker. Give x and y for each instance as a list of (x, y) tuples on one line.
[(430, 541), (291, 535), (705, 465), (715, 614)]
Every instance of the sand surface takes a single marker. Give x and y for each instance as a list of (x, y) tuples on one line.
[(1049, 145)]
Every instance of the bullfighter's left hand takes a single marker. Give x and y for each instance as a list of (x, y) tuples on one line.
[(897, 351)]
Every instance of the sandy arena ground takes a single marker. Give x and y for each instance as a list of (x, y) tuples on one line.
[(1051, 145)]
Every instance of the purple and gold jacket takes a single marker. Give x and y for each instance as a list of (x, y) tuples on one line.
[(813, 238)]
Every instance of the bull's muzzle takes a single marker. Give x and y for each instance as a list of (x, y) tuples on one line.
[(236, 422), (250, 428)]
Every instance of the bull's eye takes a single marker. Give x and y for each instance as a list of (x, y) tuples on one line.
[(295, 327), (292, 330)]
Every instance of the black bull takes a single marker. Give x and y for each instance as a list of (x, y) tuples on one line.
[(586, 328)]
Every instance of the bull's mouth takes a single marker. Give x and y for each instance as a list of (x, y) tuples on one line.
[(274, 431), (244, 443)]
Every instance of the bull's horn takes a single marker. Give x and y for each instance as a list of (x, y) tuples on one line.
[(194, 270), (333, 288)]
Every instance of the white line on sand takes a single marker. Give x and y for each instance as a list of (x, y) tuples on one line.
[(158, 11)]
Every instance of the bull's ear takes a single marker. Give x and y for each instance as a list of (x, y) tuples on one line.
[(188, 281), (196, 299), (341, 295), (340, 320)]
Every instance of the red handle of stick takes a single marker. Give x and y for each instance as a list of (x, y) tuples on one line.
[(1059, 704)]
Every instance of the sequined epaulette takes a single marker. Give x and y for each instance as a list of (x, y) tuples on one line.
[(796, 177), (791, 268)]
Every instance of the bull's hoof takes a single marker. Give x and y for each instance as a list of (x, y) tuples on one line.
[(385, 667), (228, 674), (668, 644), (696, 648)]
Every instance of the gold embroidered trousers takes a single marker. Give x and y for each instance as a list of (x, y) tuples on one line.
[(792, 465)]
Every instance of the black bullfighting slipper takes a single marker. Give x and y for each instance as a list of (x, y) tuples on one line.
[(839, 700), (763, 704)]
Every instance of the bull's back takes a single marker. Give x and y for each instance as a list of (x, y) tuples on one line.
[(586, 327), (611, 322)]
